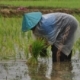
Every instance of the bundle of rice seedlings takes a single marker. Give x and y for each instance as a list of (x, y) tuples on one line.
[(38, 48)]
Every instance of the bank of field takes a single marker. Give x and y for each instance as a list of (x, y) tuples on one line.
[(13, 42), (73, 4)]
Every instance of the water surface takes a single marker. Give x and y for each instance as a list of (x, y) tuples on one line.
[(45, 70)]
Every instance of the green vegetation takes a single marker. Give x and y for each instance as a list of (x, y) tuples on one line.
[(73, 4), (36, 49), (13, 41), (11, 38)]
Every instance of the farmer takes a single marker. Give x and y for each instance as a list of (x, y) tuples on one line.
[(57, 29)]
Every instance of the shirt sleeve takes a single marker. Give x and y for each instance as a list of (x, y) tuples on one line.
[(51, 36)]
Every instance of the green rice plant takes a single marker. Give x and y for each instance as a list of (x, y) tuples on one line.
[(76, 46), (9, 36), (26, 50), (29, 36), (26, 38), (44, 3), (35, 49)]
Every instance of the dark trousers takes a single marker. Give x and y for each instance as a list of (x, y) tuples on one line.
[(63, 57)]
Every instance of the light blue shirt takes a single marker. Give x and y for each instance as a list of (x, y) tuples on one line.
[(47, 28), (52, 28)]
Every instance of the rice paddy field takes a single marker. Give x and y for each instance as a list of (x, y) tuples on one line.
[(14, 47), (43, 3), (12, 40)]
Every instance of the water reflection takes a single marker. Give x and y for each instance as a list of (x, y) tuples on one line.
[(12, 70), (45, 70), (38, 72), (56, 71), (48, 71), (76, 69), (61, 71)]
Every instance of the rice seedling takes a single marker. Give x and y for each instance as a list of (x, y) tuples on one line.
[(9, 33), (36, 49), (76, 46)]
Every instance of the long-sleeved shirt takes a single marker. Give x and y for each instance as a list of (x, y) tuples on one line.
[(53, 27)]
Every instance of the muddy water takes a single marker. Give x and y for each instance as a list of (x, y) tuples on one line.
[(45, 70)]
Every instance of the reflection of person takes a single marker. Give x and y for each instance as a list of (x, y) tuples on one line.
[(61, 71), (38, 72), (57, 29)]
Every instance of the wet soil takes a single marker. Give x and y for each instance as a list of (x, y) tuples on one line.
[(6, 10)]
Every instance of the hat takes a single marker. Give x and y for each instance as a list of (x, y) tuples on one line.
[(30, 20)]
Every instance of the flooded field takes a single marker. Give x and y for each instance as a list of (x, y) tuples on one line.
[(45, 70), (14, 46)]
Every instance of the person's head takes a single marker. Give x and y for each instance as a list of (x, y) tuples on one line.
[(30, 20)]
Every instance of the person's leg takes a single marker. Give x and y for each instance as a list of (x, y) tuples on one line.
[(70, 55), (63, 57), (54, 50)]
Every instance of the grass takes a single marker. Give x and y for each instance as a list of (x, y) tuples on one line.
[(73, 4)]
